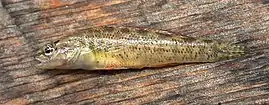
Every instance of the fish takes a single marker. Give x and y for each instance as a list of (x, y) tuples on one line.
[(118, 47)]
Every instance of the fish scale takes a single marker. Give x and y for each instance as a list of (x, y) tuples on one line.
[(106, 48)]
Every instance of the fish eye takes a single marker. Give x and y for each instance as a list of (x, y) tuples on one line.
[(48, 50)]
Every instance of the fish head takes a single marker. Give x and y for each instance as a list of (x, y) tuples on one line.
[(59, 54)]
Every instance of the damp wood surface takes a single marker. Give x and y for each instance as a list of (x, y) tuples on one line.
[(26, 24)]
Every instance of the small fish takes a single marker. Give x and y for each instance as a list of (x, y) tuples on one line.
[(114, 48)]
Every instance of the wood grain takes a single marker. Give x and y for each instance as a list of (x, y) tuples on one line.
[(26, 24)]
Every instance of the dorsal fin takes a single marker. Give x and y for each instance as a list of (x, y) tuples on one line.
[(126, 29)]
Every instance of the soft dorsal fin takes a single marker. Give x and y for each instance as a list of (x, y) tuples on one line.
[(141, 30), (184, 38)]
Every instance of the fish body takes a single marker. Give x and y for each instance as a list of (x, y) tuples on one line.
[(112, 48)]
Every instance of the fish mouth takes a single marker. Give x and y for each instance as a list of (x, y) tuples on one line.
[(51, 64), (41, 58), (46, 63), (41, 62)]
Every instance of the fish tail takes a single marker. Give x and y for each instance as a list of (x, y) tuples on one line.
[(229, 51)]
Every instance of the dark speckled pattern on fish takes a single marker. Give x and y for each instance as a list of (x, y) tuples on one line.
[(122, 48)]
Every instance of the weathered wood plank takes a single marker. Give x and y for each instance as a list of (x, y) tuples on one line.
[(26, 24)]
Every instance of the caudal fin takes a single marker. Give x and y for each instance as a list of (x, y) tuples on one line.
[(230, 51)]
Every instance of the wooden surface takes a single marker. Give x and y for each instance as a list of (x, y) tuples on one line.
[(25, 24)]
